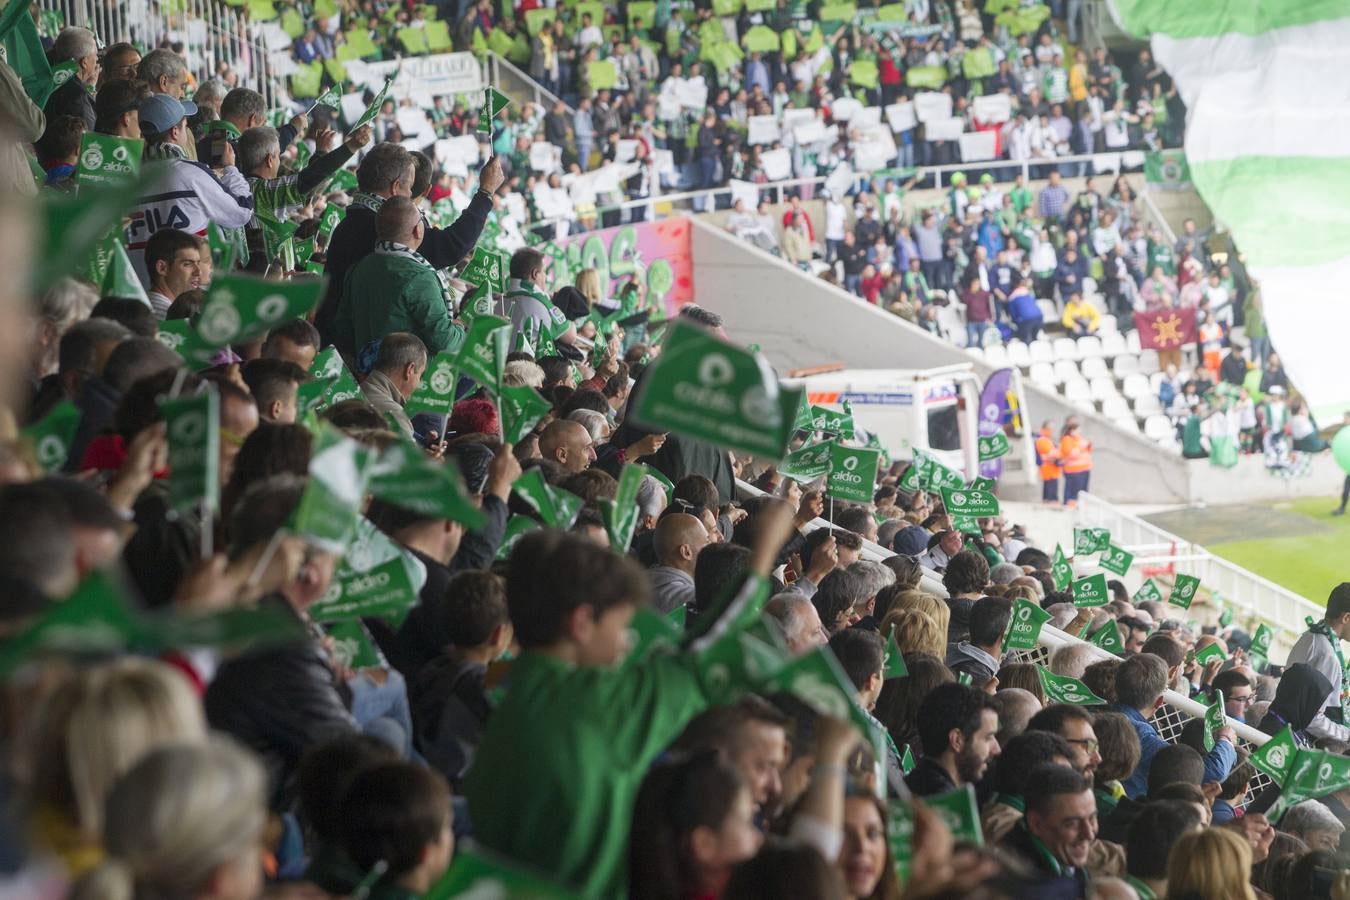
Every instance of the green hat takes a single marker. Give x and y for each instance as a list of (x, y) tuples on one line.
[(973, 193), (958, 178), (986, 178)]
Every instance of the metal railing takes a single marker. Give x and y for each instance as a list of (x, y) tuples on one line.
[(501, 72), (1159, 220), (211, 32), (1153, 546)]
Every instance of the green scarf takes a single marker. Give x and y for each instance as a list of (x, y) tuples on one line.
[(390, 248)]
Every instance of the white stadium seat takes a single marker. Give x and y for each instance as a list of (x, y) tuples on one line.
[(1104, 387), (1041, 351), (1044, 374), (1066, 370), (1155, 381), (1049, 311), (1089, 286), (1113, 344), (1158, 427), (953, 321), (1129, 423), (1147, 405), (1089, 347), (1018, 355), (996, 355), (1066, 348), (1125, 364), (1137, 385), (1109, 325), (1078, 391), (1116, 407), (1148, 361), (1132, 342), (1094, 367)]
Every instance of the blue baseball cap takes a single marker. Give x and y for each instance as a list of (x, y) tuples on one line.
[(160, 112)]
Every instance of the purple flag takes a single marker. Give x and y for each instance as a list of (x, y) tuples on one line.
[(994, 410)]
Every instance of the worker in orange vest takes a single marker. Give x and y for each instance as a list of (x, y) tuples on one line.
[(1075, 455), (1047, 457)]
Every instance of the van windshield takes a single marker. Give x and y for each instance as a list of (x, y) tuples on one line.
[(944, 431)]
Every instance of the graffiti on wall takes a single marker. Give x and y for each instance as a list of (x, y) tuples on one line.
[(654, 254)]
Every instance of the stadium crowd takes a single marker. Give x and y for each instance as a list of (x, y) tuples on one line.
[(559, 676)]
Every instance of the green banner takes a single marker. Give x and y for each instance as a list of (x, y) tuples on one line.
[(494, 101), (993, 446), (405, 477), (193, 427), (516, 527), (238, 308), (330, 218), (807, 463), (1261, 641), (969, 503), (1167, 168), (1210, 651), (557, 507), (483, 354), (1214, 719), (373, 580), (1061, 570), (1116, 560), (353, 647), (961, 814), (708, 389), (1091, 591), (334, 493), (1184, 588), (489, 267), (105, 159), (1065, 689), (1024, 628), (1275, 758), (1108, 638), (53, 434), (373, 109), (436, 392), (1148, 591), (1090, 540), (620, 515), (853, 473), (839, 424), (521, 409)]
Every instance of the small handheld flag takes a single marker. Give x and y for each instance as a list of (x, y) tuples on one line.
[(494, 101)]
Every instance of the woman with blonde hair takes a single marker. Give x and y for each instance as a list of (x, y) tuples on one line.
[(1213, 864), (915, 632), (185, 821), (95, 727), (588, 282), (923, 602)]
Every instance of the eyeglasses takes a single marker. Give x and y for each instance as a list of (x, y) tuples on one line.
[(1249, 699), (1089, 744)]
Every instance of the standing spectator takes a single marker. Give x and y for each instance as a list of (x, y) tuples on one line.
[(979, 306), (1047, 461), (835, 228), (1075, 454), (1053, 199), (75, 97), (1025, 313)]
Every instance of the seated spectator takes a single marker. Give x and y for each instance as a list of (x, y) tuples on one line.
[(398, 814), (1018, 758), (978, 656), (1080, 317), (1151, 838), (1055, 833), (957, 726), (1212, 862)]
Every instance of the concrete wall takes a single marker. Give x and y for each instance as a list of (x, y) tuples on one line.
[(801, 321), (1249, 482)]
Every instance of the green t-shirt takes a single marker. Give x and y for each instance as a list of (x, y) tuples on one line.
[(1021, 198)]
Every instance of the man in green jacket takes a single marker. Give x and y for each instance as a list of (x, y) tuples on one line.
[(395, 288), (561, 760)]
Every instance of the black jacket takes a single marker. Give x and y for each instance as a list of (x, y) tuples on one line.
[(354, 239), (278, 701), (71, 99), (163, 547), (98, 402), (929, 779), (1071, 883), (449, 709)]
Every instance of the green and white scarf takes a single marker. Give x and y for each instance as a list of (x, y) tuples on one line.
[(390, 248), (368, 201), (164, 150)]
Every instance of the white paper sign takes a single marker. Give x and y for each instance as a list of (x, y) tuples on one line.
[(437, 74), (944, 129), (929, 105), (993, 108), (777, 164), (413, 122), (515, 205), (810, 132), (747, 191), (844, 109), (867, 117), (693, 93), (840, 180), (353, 105), (462, 148), (763, 129), (901, 116), (543, 156), (283, 64), (555, 202), (870, 157), (978, 145), (625, 150), (794, 117), (663, 162)]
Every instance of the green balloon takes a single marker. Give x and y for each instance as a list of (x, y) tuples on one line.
[(1340, 449)]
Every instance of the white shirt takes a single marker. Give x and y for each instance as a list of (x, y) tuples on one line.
[(160, 303), (591, 36), (834, 220), (1315, 650)]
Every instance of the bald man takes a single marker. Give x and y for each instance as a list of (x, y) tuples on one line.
[(679, 539), (569, 444), (395, 289)]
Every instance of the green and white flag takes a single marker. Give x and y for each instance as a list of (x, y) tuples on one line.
[(436, 392), (331, 504), (1261, 641), (839, 424), (332, 382), (1061, 571), (807, 463), (967, 525), (900, 828), (477, 874), (1108, 638), (982, 484), (193, 428), (993, 446), (708, 389), (405, 477), (516, 527), (1148, 591), (494, 101), (1024, 627), (937, 476), (1183, 591), (1210, 651), (1116, 560), (1066, 689), (489, 267), (1263, 120), (620, 515), (105, 159), (649, 630), (1275, 757), (960, 501), (521, 409), (482, 357), (279, 241), (375, 579), (52, 435), (373, 109), (557, 507), (353, 647), (894, 665), (180, 337), (331, 98), (120, 279), (960, 813), (227, 245), (853, 473), (24, 52), (1090, 540), (97, 618), (238, 308), (330, 218), (1091, 591), (73, 225), (1214, 719), (478, 302)]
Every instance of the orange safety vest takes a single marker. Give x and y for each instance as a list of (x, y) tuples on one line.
[(1049, 456), (1076, 454)]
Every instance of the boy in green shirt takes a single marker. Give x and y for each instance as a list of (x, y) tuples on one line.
[(560, 763)]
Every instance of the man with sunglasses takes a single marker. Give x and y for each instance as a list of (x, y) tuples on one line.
[(120, 62)]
